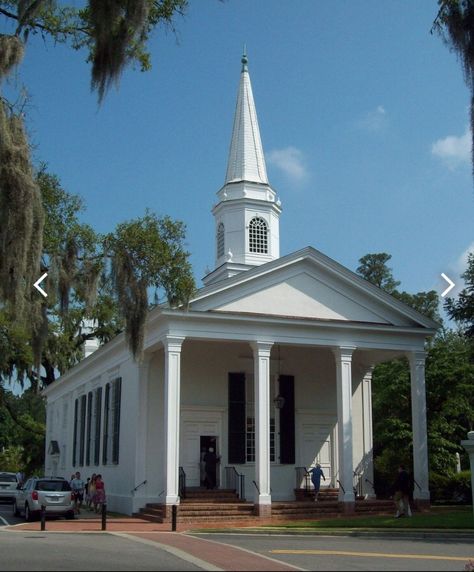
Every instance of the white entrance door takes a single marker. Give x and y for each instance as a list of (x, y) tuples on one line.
[(194, 425), (316, 448)]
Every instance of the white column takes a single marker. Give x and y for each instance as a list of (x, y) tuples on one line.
[(420, 437), (142, 432), (172, 345), (261, 354), (344, 422), (368, 487)]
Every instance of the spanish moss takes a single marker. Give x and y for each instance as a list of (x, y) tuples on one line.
[(133, 301), (11, 53), (21, 214), (116, 25)]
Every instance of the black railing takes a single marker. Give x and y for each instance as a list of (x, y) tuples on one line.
[(138, 486), (340, 484), (415, 483), (371, 484), (303, 479), (182, 483), (235, 481), (358, 488), (256, 486)]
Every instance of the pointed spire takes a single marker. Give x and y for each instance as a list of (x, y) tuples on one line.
[(246, 159)]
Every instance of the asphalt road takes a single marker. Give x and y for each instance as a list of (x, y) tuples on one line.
[(350, 553), (54, 551)]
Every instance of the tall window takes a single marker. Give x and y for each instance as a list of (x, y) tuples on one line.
[(220, 240), (250, 423), (113, 397), (258, 236)]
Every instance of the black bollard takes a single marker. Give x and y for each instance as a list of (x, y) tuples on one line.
[(104, 517), (43, 517), (174, 517)]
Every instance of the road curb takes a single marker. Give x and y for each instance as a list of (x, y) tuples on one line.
[(412, 535)]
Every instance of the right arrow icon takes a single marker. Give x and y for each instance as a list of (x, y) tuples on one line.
[(450, 287)]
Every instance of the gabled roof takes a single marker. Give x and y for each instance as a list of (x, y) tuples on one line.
[(246, 159), (308, 284)]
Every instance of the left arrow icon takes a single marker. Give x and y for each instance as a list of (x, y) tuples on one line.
[(38, 282)]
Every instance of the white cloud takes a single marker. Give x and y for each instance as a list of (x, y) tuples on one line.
[(375, 120), (453, 151), (291, 161)]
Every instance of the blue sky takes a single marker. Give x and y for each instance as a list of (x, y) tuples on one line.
[(363, 116)]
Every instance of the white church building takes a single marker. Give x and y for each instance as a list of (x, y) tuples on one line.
[(271, 365)]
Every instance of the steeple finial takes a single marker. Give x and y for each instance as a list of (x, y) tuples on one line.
[(244, 60)]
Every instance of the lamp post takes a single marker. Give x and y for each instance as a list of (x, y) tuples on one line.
[(469, 446)]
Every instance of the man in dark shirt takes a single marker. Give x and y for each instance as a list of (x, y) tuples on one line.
[(211, 460), (402, 493)]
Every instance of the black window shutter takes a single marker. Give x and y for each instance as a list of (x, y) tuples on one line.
[(74, 442), (82, 433), (236, 418), (89, 428), (287, 420), (98, 413), (116, 427), (105, 441)]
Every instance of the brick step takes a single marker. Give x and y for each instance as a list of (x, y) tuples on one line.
[(210, 500)]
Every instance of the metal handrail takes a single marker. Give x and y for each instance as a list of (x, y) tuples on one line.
[(256, 486), (340, 484), (236, 481), (138, 486), (182, 483), (414, 481), (302, 473)]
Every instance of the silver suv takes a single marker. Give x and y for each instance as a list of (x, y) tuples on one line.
[(54, 493), (8, 486)]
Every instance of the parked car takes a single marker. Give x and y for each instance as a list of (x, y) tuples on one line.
[(54, 493), (8, 486)]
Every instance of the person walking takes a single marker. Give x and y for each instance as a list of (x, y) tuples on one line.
[(316, 474), (402, 492), (91, 492), (99, 496), (77, 487)]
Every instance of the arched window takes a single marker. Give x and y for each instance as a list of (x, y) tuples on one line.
[(258, 236), (220, 240)]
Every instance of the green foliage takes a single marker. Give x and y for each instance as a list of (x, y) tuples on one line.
[(373, 267), (452, 488), (22, 430), (462, 309), (11, 459)]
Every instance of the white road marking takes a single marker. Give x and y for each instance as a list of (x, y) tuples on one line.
[(5, 521)]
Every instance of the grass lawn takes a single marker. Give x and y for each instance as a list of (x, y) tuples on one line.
[(437, 518)]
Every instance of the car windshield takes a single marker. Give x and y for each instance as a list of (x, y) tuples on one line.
[(52, 486), (4, 478)]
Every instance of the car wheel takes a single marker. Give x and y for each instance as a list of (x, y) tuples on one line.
[(28, 515), (16, 512), (70, 515)]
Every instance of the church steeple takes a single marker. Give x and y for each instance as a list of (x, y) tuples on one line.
[(247, 213), (246, 160)]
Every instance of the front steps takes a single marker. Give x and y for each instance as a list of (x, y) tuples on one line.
[(223, 505), (201, 505)]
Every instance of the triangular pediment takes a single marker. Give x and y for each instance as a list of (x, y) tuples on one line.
[(307, 284)]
